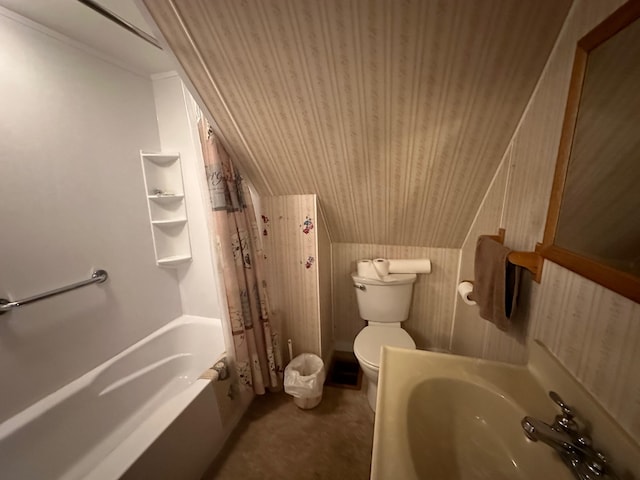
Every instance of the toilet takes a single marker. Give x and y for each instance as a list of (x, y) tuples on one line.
[(384, 304)]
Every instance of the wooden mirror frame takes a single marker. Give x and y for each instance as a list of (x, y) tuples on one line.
[(621, 282)]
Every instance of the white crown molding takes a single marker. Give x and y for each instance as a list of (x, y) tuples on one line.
[(38, 27)]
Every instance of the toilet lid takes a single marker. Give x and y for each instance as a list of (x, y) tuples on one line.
[(370, 339)]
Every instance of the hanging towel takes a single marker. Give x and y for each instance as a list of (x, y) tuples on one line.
[(495, 288)]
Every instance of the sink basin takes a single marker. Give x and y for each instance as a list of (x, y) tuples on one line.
[(446, 417), (457, 429)]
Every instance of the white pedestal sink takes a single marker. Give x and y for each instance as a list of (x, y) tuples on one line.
[(446, 417)]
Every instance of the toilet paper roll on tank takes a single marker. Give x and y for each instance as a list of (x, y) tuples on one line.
[(380, 267)]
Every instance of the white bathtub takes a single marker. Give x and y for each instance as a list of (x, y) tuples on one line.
[(98, 425)]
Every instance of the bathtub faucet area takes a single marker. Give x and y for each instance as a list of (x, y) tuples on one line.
[(572, 444)]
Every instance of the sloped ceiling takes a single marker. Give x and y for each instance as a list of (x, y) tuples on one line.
[(396, 113)]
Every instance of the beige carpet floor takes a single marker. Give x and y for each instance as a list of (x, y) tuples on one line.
[(277, 440)]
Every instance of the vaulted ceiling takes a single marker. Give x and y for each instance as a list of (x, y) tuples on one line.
[(396, 113)]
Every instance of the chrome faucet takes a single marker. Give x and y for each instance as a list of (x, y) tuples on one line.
[(573, 446)]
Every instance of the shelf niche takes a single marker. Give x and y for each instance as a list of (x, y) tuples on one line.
[(167, 208)]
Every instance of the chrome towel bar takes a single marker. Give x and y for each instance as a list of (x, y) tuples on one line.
[(99, 276)]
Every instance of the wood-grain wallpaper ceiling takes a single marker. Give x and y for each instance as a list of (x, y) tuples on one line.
[(396, 113)]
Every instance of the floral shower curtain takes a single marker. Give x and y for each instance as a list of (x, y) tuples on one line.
[(257, 349)]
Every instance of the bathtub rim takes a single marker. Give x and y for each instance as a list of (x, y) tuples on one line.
[(150, 428), (120, 459)]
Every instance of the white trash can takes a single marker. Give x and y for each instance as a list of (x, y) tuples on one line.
[(304, 379)]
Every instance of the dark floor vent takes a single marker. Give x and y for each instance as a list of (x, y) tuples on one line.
[(344, 371)]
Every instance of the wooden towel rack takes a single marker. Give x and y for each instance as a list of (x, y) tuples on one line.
[(532, 261)]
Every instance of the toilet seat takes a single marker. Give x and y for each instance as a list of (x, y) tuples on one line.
[(369, 341)]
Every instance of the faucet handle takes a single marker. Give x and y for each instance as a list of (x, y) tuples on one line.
[(566, 409), (564, 421), (598, 465)]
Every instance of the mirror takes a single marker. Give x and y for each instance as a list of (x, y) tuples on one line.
[(593, 224)]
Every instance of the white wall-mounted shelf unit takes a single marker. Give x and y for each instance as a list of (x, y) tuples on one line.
[(167, 208)]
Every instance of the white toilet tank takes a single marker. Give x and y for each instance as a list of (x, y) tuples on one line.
[(384, 301)]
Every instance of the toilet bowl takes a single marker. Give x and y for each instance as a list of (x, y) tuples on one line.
[(367, 348), (384, 303)]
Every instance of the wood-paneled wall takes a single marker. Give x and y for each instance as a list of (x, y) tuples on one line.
[(298, 272), (594, 332), (431, 314), (472, 335), (395, 113)]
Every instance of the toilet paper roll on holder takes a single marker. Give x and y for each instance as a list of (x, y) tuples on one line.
[(465, 288)]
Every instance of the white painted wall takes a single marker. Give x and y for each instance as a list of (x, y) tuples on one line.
[(177, 124), (72, 199), (212, 416)]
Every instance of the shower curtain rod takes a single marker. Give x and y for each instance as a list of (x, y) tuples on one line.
[(121, 22)]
